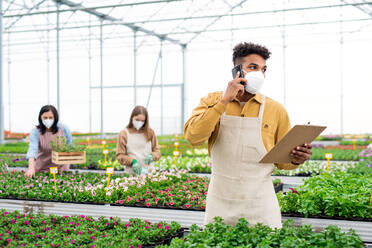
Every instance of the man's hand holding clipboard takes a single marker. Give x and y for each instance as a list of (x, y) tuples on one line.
[(294, 146)]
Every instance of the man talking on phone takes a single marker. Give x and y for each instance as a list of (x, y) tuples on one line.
[(241, 125)]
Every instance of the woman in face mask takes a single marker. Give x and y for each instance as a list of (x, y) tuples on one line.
[(137, 144), (39, 152)]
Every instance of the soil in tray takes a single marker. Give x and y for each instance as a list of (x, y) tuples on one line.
[(297, 175), (278, 187), (166, 241), (157, 207), (326, 217), (90, 167), (43, 200)]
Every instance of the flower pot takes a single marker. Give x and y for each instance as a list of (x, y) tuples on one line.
[(278, 187), (68, 157)]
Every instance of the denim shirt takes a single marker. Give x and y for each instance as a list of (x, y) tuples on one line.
[(34, 137)]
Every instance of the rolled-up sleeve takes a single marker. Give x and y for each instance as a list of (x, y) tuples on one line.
[(33, 146), (121, 150), (68, 134), (204, 119)]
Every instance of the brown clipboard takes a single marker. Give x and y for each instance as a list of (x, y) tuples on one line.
[(297, 136)]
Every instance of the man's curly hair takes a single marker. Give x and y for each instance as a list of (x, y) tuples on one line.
[(246, 48)]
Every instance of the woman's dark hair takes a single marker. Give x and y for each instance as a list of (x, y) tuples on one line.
[(42, 128), (247, 48), (140, 110)]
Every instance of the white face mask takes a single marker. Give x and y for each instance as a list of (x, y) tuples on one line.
[(48, 123), (255, 80), (138, 124)]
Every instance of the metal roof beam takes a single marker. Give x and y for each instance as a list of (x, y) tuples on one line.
[(364, 6), (29, 11), (90, 8), (120, 21), (255, 12), (216, 19), (210, 30), (234, 14)]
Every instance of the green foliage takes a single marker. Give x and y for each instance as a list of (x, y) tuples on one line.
[(30, 230), (329, 138), (19, 147), (361, 169), (60, 145), (242, 235), (110, 163), (200, 164), (338, 154), (358, 142), (313, 168), (338, 195)]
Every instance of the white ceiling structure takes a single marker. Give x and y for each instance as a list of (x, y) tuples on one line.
[(48, 30)]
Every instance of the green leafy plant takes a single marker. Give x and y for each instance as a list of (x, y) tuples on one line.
[(110, 163), (338, 195), (358, 142), (19, 147), (338, 154), (221, 235), (313, 168), (329, 137), (361, 169), (199, 164), (60, 145)]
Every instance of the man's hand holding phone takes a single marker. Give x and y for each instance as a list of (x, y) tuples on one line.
[(234, 88)]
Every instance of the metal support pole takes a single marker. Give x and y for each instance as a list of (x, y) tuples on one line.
[(153, 79), (9, 87), (90, 74), (135, 66), (341, 75), (58, 60), (231, 31), (48, 68), (1, 76), (183, 90), (284, 60), (161, 90), (101, 69)]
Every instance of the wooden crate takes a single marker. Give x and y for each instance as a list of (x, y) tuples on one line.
[(68, 157)]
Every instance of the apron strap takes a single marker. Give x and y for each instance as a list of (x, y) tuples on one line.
[(262, 108)]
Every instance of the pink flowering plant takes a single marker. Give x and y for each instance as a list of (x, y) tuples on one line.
[(169, 189), (159, 188), (366, 157), (41, 187), (29, 230)]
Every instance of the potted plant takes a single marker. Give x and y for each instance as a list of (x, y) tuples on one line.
[(62, 153)]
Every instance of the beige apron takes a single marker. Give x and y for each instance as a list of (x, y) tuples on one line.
[(240, 187), (137, 147)]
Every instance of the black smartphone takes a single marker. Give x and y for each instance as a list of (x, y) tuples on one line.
[(235, 71)]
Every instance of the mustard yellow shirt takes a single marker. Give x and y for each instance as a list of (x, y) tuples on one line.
[(204, 123)]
